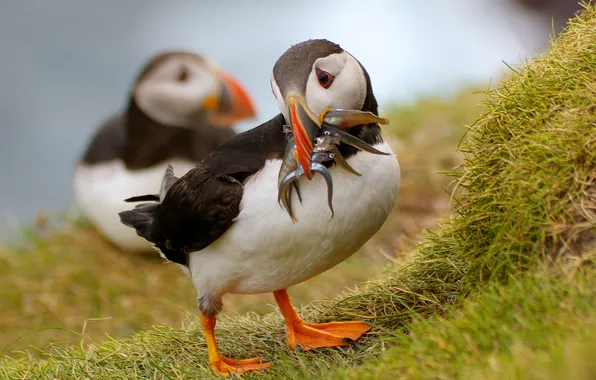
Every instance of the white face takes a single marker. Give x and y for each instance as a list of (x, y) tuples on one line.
[(176, 90), (346, 91)]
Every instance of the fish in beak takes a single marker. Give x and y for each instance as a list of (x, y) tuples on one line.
[(288, 179), (305, 126), (345, 119), (231, 104), (316, 140)]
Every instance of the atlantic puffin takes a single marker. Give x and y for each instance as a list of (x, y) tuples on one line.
[(181, 107), (222, 223)]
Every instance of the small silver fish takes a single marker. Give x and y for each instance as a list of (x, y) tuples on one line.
[(326, 148), (350, 139), (345, 119), (284, 192)]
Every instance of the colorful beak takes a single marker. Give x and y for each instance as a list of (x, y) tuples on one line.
[(305, 126), (232, 104)]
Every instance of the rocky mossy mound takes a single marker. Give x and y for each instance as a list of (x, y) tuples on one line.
[(527, 197)]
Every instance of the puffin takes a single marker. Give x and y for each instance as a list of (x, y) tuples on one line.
[(222, 222), (180, 108)]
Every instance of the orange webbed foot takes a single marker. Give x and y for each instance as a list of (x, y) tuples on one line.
[(308, 336), (227, 367), (224, 366)]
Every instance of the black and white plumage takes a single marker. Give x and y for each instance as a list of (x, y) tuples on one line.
[(180, 109), (222, 222)]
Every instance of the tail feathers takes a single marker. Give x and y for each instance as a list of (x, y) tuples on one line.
[(166, 183), (141, 219), (143, 198)]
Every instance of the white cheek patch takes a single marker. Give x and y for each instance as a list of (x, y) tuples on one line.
[(171, 102), (348, 90), (280, 100)]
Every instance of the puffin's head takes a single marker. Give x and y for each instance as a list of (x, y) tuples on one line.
[(312, 77), (174, 88)]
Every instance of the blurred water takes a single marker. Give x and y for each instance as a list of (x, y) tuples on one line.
[(67, 64)]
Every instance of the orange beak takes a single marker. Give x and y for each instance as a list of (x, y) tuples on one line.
[(233, 103), (304, 127)]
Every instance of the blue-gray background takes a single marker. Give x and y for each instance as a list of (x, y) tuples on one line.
[(65, 65)]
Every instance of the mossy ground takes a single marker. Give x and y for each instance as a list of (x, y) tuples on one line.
[(503, 288)]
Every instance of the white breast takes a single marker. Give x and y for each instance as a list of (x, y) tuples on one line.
[(264, 251), (100, 190)]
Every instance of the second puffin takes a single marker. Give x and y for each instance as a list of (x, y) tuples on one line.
[(181, 107)]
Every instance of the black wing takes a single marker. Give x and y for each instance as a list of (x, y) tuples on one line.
[(245, 154), (202, 205), (108, 142)]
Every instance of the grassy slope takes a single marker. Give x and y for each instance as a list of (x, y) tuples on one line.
[(530, 195), (539, 327), (58, 278)]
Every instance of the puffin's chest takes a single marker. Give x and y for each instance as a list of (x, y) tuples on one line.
[(268, 251)]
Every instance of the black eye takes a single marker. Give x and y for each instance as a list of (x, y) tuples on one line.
[(325, 79), (183, 75)]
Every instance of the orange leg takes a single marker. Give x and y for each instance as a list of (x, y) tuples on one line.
[(309, 335), (225, 366)]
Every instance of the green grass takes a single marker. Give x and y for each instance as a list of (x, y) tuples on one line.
[(539, 326), (480, 297)]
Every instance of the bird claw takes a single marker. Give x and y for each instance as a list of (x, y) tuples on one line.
[(350, 341)]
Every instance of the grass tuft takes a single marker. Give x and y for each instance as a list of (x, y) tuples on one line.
[(539, 326)]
